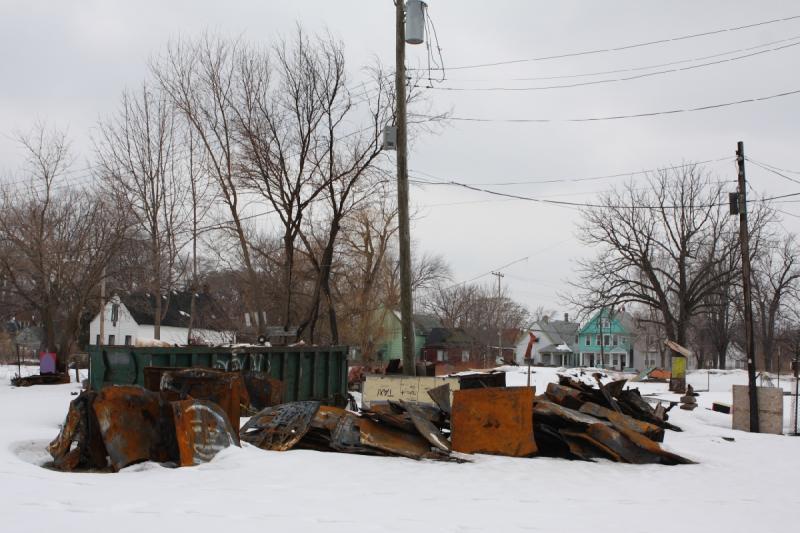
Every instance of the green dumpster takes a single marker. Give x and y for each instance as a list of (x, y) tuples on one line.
[(307, 372)]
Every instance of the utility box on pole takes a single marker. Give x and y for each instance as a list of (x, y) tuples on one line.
[(415, 21)]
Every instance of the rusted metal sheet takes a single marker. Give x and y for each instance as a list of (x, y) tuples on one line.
[(80, 427), (280, 427), (136, 425), (651, 431), (202, 429), (664, 457), (565, 396), (392, 440), (262, 390), (559, 416), (441, 396), (426, 428), (222, 388), (390, 413), (494, 420)]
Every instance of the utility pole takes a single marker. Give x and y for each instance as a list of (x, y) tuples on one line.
[(602, 339), (744, 242), (499, 275), (100, 341), (406, 305)]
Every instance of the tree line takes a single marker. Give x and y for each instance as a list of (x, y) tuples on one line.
[(256, 174)]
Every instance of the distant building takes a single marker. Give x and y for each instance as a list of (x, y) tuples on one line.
[(607, 340), (555, 342), (129, 320)]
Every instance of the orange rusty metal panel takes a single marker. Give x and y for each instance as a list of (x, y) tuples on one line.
[(201, 429), (136, 425), (392, 440), (222, 388), (494, 420)]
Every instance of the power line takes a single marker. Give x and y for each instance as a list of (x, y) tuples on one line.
[(624, 47), (619, 117), (614, 80), (640, 68), (768, 169), (581, 205), (545, 180)]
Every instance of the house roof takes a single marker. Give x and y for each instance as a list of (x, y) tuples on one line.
[(141, 306), (423, 324), (438, 336), (559, 331)]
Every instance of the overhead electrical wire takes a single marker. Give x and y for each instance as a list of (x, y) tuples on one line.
[(620, 117), (546, 180), (639, 68), (613, 80), (625, 47)]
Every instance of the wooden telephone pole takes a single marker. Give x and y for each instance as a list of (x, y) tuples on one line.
[(744, 241), (500, 276), (406, 304)]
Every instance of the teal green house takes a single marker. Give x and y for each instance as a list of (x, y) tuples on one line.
[(607, 340), (391, 335)]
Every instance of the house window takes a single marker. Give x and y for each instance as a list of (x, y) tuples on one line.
[(598, 339), (464, 356), (128, 340), (112, 340), (97, 341), (247, 322), (606, 340), (440, 355), (588, 340), (614, 340), (623, 341), (616, 360), (604, 323)]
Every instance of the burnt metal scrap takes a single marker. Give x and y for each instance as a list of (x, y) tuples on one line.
[(575, 420), (390, 429), (187, 421), (123, 425)]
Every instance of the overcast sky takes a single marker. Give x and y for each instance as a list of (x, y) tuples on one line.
[(68, 61)]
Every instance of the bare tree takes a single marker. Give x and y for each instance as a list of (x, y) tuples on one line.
[(201, 81), (137, 154), (56, 241), (776, 275), (667, 247)]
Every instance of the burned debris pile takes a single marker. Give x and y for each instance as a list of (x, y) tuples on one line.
[(575, 420), (187, 421), (393, 429)]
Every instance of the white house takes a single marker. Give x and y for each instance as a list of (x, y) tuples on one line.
[(129, 321), (554, 342)]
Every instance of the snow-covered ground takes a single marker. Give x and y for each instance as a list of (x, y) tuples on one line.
[(748, 484)]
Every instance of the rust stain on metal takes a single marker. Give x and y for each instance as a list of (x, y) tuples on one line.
[(494, 420), (136, 425), (392, 440), (651, 431), (280, 427), (261, 389), (202, 429), (222, 388)]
